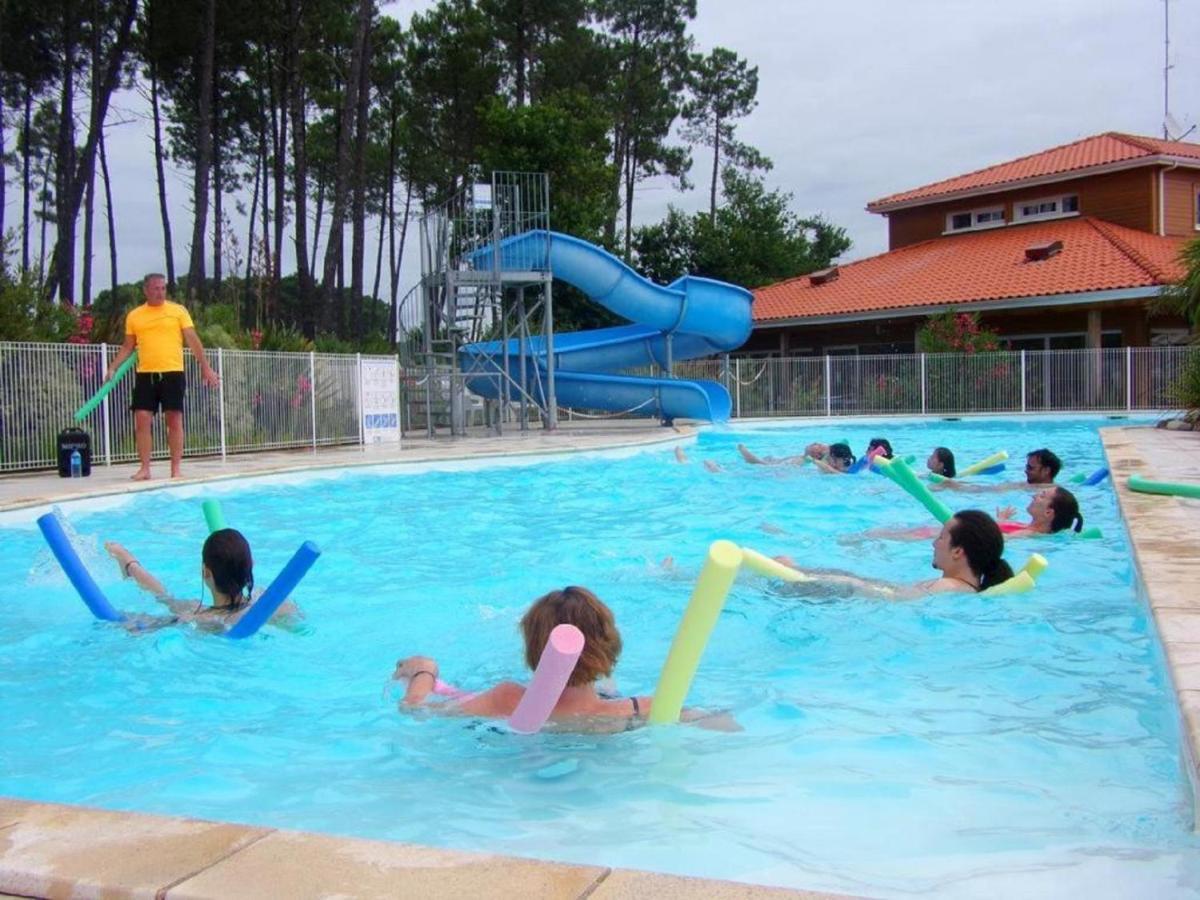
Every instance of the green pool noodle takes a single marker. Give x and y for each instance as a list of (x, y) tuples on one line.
[(936, 478), (82, 412), (1165, 488), (900, 473), (998, 457), (1090, 534), (708, 598), (213, 517), (910, 459)]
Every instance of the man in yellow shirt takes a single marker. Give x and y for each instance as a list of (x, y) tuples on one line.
[(157, 330)]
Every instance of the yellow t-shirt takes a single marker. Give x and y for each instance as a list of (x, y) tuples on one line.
[(159, 334)]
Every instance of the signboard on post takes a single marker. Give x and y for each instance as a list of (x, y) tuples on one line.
[(379, 388)]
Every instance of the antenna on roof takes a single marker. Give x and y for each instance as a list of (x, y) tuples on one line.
[(1172, 130)]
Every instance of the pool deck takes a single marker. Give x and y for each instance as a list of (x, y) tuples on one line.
[(1163, 533), (52, 850), (19, 490)]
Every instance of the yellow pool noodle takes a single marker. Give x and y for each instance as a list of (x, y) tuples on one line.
[(998, 457), (764, 565), (708, 597), (1024, 580)]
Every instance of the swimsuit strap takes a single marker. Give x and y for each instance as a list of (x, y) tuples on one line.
[(637, 711)]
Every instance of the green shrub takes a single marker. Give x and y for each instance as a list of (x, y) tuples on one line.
[(1185, 392)]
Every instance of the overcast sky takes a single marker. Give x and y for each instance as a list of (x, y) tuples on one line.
[(856, 101)]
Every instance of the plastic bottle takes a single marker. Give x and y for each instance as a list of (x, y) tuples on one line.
[(76, 464)]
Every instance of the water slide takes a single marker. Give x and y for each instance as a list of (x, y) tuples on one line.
[(699, 316)]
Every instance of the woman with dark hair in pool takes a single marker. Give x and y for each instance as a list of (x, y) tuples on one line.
[(580, 699), (1050, 511), (226, 569), (968, 551), (941, 462), (832, 458)]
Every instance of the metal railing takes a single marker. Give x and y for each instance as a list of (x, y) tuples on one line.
[(1129, 378), (266, 401), (269, 401)]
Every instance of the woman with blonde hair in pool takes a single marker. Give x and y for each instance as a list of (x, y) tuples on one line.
[(968, 551), (580, 699)]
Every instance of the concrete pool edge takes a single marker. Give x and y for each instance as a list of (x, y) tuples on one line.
[(1162, 534), (54, 850)]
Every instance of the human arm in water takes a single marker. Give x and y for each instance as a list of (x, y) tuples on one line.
[(755, 460)]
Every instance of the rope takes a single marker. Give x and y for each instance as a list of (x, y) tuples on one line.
[(614, 415), (734, 378)]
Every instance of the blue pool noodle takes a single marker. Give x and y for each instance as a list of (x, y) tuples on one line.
[(992, 470), (78, 575), (276, 592), (1096, 477)]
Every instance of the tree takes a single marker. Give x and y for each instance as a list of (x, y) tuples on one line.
[(649, 58), (755, 239), (723, 89), (1183, 297)]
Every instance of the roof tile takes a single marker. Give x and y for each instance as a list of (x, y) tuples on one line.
[(961, 269), (1098, 150)]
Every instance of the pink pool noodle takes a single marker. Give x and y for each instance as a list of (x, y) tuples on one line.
[(549, 679)]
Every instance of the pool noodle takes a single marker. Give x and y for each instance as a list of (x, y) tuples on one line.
[(708, 597), (1167, 488), (764, 565), (76, 572), (1022, 581), (987, 462), (81, 413), (213, 517), (900, 473), (278, 590), (553, 670)]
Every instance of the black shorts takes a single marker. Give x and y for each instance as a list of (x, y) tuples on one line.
[(154, 389)]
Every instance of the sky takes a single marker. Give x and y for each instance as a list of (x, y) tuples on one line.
[(855, 102)]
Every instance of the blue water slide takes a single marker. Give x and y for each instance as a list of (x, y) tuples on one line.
[(699, 316)]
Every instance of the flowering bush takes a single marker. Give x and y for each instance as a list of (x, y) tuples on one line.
[(955, 332)]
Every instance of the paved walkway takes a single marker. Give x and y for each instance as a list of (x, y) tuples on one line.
[(1165, 535), (35, 489)]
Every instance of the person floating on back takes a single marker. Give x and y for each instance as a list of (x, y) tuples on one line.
[(158, 330)]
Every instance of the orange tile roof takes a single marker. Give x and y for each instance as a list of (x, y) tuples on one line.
[(1099, 150), (960, 269)]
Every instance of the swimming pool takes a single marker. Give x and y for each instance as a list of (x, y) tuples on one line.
[(954, 745)]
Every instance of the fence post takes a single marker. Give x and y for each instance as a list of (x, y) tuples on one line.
[(358, 398), (737, 385), (1128, 378), (1022, 381), (105, 426), (828, 387), (312, 395), (923, 404), (221, 397)]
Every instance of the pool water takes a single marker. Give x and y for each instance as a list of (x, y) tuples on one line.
[(957, 745)]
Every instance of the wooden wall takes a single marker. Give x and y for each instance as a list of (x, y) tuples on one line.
[(1180, 187)]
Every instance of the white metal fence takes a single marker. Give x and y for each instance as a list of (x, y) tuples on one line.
[(1129, 378), (283, 400), (264, 401)]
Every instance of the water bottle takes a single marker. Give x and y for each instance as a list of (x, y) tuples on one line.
[(76, 464)]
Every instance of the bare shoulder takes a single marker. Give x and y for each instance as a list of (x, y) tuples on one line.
[(497, 701)]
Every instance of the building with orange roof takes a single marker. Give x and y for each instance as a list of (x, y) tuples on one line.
[(1060, 249)]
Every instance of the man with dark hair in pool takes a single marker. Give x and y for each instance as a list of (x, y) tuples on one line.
[(1041, 467)]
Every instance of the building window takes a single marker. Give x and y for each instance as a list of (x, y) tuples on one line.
[(1069, 340), (1046, 208), (988, 217)]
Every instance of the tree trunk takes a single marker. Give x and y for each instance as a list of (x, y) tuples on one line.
[(87, 159), (344, 157), (312, 271), (218, 192), (45, 218), (279, 140), (397, 257), (630, 181), (269, 264), (358, 245), (108, 208), (204, 80), (712, 196), (26, 178), (260, 166), (89, 209), (63, 261), (296, 103), (3, 169), (168, 245)]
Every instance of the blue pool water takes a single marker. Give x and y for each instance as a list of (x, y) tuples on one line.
[(958, 745)]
